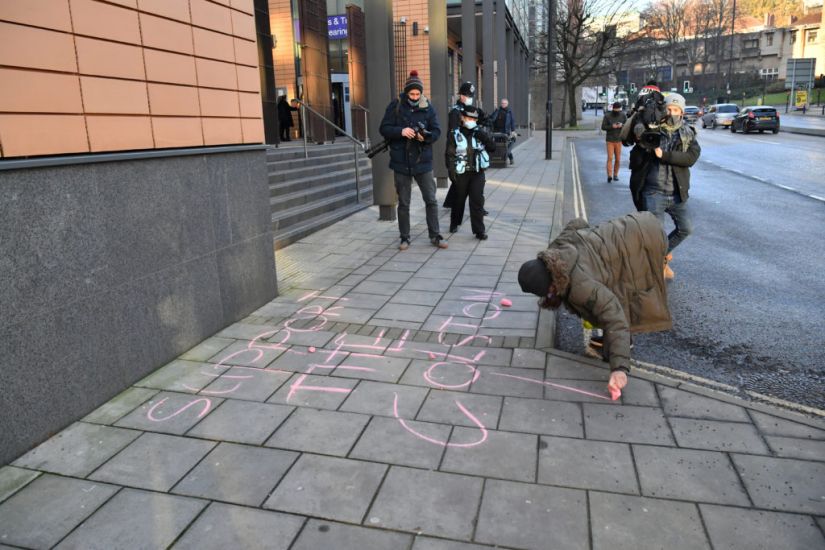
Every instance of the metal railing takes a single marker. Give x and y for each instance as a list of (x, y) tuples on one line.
[(366, 122), (355, 142)]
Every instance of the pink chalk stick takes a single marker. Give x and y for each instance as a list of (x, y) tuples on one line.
[(506, 303), (311, 349), (432, 355), (615, 393)]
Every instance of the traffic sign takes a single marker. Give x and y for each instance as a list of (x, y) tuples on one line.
[(800, 72)]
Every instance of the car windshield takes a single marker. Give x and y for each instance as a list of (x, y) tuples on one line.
[(691, 109), (764, 112), (728, 109)]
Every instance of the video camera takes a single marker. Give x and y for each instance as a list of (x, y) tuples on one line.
[(420, 131)]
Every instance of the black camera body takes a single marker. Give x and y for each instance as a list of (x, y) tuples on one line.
[(651, 139), (421, 130)]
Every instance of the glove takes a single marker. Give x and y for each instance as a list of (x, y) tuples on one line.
[(513, 134)]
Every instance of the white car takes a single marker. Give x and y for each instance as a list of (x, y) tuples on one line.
[(721, 114)]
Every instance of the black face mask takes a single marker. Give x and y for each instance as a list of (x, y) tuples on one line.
[(413, 103)]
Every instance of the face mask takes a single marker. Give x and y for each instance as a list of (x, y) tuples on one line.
[(413, 103), (673, 120), (470, 124), (468, 101)]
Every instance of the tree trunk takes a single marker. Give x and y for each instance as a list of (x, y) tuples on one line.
[(571, 104)]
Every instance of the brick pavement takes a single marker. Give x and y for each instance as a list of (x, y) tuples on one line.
[(387, 401)]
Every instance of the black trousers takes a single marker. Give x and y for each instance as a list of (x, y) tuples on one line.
[(450, 198), (285, 132), (469, 184)]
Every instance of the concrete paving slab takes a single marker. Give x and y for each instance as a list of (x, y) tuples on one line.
[(242, 422), (699, 476), (172, 413), (532, 516), (426, 543), (416, 297), (640, 392), (319, 431), (718, 436), (182, 376), (680, 403), (308, 390), (246, 383), (540, 416), (13, 479), (327, 487), (135, 519), (740, 529), (528, 358), (382, 399), (324, 534), (783, 484), (239, 474), (48, 508), (78, 450), (627, 523), (447, 407), (411, 443), (224, 526), (439, 372), (587, 465), (246, 354), (772, 425), (627, 423), (114, 409), (495, 454), (212, 346), (791, 447), (153, 461), (426, 502), (509, 382)]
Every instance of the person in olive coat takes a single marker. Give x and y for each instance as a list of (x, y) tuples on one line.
[(609, 275)]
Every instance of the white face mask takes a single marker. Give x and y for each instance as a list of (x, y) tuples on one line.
[(470, 124), (468, 101)]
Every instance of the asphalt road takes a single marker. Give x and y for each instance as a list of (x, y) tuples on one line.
[(749, 295)]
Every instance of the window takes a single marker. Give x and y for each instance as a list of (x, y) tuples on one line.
[(769, 38), (750, 44), (769, 74), (793, 37), (811, 37)]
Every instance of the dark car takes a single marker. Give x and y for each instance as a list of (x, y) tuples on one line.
[(756, 118), (691, 114)]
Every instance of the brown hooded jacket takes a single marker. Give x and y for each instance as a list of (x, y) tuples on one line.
[(611, 275)]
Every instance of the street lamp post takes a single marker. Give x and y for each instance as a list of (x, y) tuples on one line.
[(732, 38), (548, 142)]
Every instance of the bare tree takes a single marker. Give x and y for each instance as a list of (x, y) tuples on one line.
[(667, 20), (586, 43)]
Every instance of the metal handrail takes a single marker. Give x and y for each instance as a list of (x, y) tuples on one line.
[(355, 142), (366, 121)]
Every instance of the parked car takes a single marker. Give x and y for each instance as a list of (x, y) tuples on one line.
[(721, 114), (691, 114), (758, 118)]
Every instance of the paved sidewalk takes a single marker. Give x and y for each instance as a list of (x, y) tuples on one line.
[(386, 400)]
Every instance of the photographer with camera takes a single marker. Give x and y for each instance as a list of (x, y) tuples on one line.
[(468, 148), (410, 124), (660, 172)]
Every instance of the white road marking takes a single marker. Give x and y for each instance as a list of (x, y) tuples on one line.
[(785, 187), (817, 197), (578, 197), (766, 141)]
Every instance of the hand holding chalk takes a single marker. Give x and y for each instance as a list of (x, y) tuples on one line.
[(615, 393), (506, 303)]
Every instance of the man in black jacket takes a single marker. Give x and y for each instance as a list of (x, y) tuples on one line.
[(411, 124), (468, 148), (612, 124), (660, 173)]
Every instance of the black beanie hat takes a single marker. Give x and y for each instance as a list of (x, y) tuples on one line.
[(469, 111), (414, 82), (467, 89), (534, 278)]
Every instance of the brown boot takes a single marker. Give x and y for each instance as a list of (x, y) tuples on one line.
[(669, 274)]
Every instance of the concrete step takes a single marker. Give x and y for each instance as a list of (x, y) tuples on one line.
[(321, 177), (292, 152), (310, 169), (311, 225), (283, 220), (284, 202)]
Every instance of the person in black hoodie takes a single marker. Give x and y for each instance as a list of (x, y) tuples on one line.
[(468, 148), (410, 124), (612, 123), (285, 117)]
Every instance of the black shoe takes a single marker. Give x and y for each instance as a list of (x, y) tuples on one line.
[(481, 236), (438, 242), (453, 228), (405, 244), (485, 212), (511, 162), (616, 178), (609, 179), (447, 206)]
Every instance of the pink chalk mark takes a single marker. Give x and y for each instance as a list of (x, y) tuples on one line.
[(481, 294), (559, 386), (464, 342), (355, 367), (401, 342), (473, 378), (223, 392), (324, 390), (434, 441), (506, 303), (255, 344), (432, 355), (150, 414), (258, 354), (341, 341), (317, 294)]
